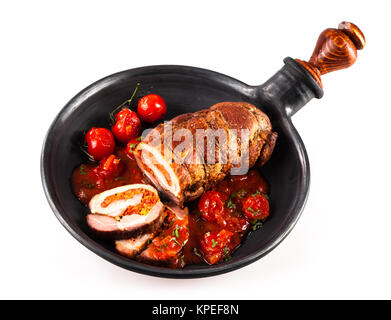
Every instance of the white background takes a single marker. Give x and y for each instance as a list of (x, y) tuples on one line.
[(340, 248)]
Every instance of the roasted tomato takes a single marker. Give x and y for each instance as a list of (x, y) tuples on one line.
[(170, 241), (256, 207), (109, 167), (100, 142), (236, 223), (211, 205), (217, 245), (151, 108), (127, 125), (131, 146)]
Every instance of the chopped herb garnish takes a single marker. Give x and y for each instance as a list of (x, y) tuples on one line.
[(253, 211), (83, 171), (196, 252), (258, 193), (207, 234), (182, 261), (230, 204), (88, 185), (119, 178), (227, 258), (175, 232), (225, 250), (256, 225), (176, 241), (240, 194), (214, 243), (132, 147), (149, 241)]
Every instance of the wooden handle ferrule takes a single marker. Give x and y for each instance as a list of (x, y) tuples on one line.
[(335, 49)]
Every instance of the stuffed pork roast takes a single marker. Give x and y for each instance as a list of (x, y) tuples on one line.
[(163, 246), (126, 211), (141, 225), (183, 164)]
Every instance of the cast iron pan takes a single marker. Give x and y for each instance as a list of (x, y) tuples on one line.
[(188, 89)]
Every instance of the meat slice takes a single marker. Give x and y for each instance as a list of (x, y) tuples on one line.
[(166, 248), (161, 166), (125, 211), (133, 246), (188, 173)]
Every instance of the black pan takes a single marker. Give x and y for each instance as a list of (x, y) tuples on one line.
[(187, 89)]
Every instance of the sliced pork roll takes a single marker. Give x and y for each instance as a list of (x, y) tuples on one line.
[(161, 166), (125, 211), (133, 246), (167, 248), (182, 168)]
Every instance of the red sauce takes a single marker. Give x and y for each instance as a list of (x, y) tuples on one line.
[(168, 244), (234, 188), (86, 183)]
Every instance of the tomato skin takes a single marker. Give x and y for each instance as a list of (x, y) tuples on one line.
[(151, 108), (127, 126), (212, 207), (100, 142), (216, 245), (168, 244), (131, 146), (256, 207), (237, 224), (109, 167)]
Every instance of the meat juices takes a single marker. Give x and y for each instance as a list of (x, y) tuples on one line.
[(185, 176)]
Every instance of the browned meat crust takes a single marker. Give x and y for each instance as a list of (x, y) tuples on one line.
[(196, 175), (267, 150)]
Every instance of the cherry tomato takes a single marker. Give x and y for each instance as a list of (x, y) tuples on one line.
[(256, 207), (216, 245), (131, 146), (236, 223), (212, 206), (100, 143), (151, 108), (109, 167), (127, 125)]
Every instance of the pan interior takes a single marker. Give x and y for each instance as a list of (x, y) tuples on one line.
[(184, 89)]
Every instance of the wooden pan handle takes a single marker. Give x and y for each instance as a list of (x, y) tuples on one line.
[(335, 49)]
